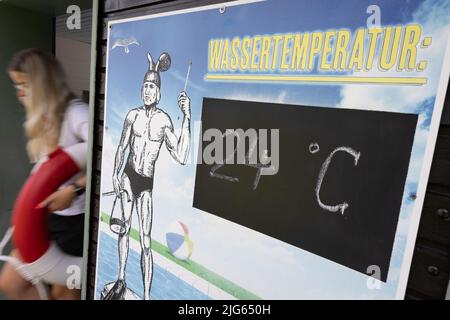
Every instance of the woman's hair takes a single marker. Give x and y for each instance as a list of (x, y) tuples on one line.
[(49, 97)]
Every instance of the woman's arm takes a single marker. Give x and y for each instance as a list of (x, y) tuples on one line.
[(62, 199)]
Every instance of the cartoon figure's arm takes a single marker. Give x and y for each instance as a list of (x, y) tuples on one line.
[(179, 148), (120, 153)]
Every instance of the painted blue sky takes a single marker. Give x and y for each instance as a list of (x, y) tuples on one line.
[(252, 256)]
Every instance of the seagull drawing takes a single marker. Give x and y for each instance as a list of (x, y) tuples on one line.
[(125, 43)]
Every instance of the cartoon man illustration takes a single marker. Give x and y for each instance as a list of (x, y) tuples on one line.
[(144, 131)]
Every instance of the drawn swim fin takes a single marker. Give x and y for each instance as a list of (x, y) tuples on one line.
[(117, 292)]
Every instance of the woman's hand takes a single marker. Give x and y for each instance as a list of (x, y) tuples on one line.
[(59, 200)]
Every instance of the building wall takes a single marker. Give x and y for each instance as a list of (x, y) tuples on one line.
[(75, 58)]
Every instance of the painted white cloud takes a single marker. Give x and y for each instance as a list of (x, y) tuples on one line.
[(182, 80), (108, 155), (273, 97), (118, 111), (434, 18)]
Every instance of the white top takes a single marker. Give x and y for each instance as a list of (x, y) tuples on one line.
[(74, 130)]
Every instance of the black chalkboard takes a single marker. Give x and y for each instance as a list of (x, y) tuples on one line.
[(285, 205)]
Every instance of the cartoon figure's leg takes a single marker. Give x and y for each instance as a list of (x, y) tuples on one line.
[(127, 202), (145, 215), (119, 288)]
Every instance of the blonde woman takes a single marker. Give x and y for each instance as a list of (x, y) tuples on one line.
[(54, 119)]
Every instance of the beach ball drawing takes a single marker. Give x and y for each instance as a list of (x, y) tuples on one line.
[(178, 241)]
